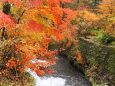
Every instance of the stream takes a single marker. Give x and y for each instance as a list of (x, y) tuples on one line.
[(65, 75)]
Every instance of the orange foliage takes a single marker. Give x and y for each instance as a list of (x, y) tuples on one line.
[(11, 63), (34, 26), (39, 22), (79, 57), (6, 21), (17, 3), (107, 7)]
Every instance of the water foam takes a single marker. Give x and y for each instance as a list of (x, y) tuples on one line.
[(47, 81)]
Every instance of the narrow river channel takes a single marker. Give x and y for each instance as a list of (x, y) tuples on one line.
[(65, 75)]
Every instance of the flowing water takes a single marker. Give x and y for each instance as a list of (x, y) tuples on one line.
[(65, 75)]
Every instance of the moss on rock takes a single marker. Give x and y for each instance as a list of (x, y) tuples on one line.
[(98, 61)]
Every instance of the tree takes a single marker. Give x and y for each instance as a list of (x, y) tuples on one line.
[(27, 28), (107, 16)]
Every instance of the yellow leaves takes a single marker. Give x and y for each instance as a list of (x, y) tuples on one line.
[(107, 17), (42, 15), (107, 7), (46, 12), (36, 36), (88, 16), (13, 10), (30, 14), (1, 5)]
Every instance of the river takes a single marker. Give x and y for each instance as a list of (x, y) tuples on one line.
[(65, 75)]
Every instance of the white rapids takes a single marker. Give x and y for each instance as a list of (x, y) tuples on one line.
[(47, 81), (65, 75)]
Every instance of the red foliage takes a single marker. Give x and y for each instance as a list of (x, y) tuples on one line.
[(41, 22), (68, 44), (34, 26), (17, 3), (34, 3), (6, 21)]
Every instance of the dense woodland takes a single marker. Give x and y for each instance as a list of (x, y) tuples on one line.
[(29, 29)]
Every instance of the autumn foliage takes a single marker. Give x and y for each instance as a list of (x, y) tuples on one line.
[(27, 28)]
